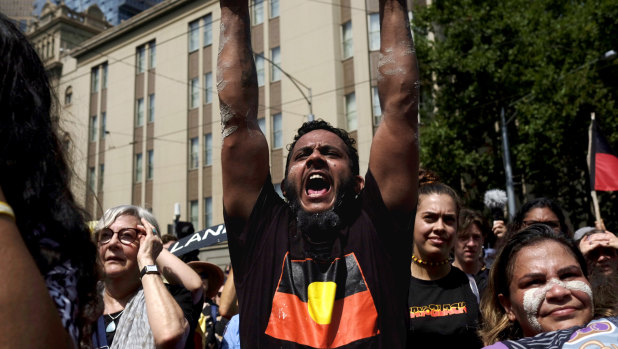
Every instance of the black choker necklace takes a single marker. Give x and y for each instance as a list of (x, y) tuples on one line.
[(419, 261)]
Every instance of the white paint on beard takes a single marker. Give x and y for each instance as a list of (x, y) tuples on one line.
[(534, 297)]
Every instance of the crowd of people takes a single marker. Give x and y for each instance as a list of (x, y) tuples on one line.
[(386, 260)]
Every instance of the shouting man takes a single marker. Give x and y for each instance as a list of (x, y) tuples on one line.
[(328, 267)]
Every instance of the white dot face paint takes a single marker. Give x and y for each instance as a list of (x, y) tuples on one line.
[(534, 297), (548, 290)]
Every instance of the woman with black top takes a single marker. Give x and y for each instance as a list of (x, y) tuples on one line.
[(443, 300)]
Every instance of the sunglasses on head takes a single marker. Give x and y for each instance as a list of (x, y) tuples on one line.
[(126, 236)]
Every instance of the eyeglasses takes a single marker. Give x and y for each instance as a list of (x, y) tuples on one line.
[(126, 236), (551, 224)]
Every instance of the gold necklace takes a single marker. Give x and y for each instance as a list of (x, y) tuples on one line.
[(419, 261)]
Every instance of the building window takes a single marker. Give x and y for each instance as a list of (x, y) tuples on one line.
[(91, 178), (93, 128), (141, 59), (259, 69), (194, 35), (193, 213), (350, 111), (278, 189), (262, 125), (277, 131), (274, 8), (68, 95), (374, 32), (275, 56), (139, 112), (103, 125), (208, 92), (94, 79), (208, 29), (194, 94), (150, 164), (152, 54), (101, 176), (151, 107), (348, 48), (377, 111), (258, 12), (104, 76), (208, 149), (207, 212), (138, 168), (194, 160)]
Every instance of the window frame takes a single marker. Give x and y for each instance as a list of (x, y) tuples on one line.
[(208, 89), (139, 169), (208, 149), (277, 131), (373, 31), (271, 11), (194, 35), (139, 112), (149, 164), (194, 93), (151, 107), (351, 122), (194, 153), (347, 40), (275, 71), (207, 30), (140, 59), (257, 12)]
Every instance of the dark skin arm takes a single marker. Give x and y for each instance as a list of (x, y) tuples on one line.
[(394, 151), (244, 153)]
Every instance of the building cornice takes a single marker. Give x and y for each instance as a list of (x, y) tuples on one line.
[(129, 25)]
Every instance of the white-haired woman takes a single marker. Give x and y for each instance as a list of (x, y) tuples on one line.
[(141, 311)]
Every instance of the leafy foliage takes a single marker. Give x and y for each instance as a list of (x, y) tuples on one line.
[(542, 62)]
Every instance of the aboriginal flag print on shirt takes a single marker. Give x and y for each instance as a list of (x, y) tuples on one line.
[(322, 306)]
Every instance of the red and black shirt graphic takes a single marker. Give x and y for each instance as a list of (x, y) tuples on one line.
[(322, 305)]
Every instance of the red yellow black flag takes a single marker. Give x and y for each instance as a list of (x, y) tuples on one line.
[(322, 306)]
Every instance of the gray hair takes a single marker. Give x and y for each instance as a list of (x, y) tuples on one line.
[(131, 210)]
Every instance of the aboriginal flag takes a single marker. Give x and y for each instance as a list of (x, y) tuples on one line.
[(322, 306), (602, 162)]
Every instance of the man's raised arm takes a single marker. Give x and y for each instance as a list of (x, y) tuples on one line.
[(394, 152), (244, 153)]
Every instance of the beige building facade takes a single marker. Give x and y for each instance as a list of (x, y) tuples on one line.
[(139, 101)]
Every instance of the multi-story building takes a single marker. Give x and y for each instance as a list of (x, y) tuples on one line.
[(115, 11), (19, 11), (143, 110)]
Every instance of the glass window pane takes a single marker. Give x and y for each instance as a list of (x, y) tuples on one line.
[(274, 8), (150, 168), (262, 124), (103, 124), (101, 176), (208, 29), (208, 149), (194, 93), (94, 80), (138, 168), (277, 131), (152, 55), (374, 32), (350, 111), (275, 73), (258, 12), (91, 178), (139, 112), (104, 79), (348, 49), (141, 59), (151, 107), (259, 68), (194, 35), (207, 212), (194, 154), (208, 89), (93, 128), (193, 215)]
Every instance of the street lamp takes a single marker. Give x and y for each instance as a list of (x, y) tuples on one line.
[(608, 55), (308, 97)]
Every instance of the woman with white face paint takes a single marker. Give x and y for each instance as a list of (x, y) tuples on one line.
[(537, 284)]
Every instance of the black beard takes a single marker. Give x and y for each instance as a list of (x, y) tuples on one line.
[(321, 225)]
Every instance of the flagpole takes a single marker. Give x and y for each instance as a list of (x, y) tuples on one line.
[(593, 193)]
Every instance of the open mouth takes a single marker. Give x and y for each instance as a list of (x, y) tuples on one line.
[(317, 185)]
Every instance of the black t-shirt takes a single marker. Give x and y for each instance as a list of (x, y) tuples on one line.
[(290, 296), (183, 298), (444, 313)]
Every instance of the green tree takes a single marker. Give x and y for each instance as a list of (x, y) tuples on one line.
[(541, 62)]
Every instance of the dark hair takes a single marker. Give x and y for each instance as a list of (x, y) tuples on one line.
[(467, 217), (323, 125), (35, 176), (168, 237), (428, 184), (496, 326), (542, 202)]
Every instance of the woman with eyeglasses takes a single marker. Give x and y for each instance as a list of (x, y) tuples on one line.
[(48, 296), (541, 210), (141, 311)]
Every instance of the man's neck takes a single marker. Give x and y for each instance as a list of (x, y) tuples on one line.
[(469, 268)]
